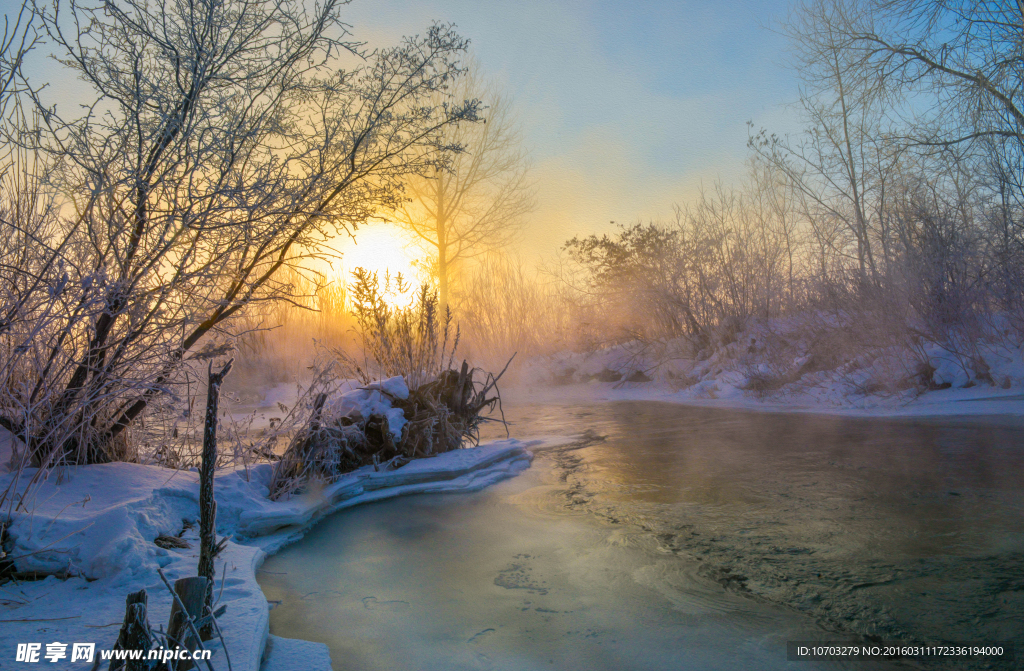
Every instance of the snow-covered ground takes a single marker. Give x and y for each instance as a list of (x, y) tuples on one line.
[(97, 525), (746, 374)]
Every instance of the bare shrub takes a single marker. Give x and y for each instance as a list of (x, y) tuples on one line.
[(723, 259), (413, 341), (274, 338)]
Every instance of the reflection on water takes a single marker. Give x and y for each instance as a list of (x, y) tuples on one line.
[(687, 538), (881, 489)]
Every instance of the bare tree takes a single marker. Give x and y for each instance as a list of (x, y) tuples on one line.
[(476, 202), (968, 55), (776, 203), (844, 164), (961, 64), (507, 309), (227, 139)]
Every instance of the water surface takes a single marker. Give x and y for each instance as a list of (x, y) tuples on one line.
[(676, 538)]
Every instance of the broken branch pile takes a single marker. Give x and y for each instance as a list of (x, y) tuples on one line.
[(385, 424)]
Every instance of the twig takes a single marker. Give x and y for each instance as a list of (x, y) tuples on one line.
[(498, 376), (220, 635), (48, 545)]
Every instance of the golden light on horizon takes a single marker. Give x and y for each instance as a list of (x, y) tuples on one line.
[(381, 249)]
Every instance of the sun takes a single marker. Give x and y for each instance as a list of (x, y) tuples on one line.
[(379, 248)]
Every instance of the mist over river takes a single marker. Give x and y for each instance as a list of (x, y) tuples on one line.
[(676, 537)]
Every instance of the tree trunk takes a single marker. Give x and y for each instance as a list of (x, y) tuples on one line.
[(441, 223), (207, 503)]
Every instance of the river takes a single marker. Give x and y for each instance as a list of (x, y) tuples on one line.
[(676, 537)]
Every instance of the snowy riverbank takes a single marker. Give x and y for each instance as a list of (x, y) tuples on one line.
[(884, 383), (981, 402), (97, 525)]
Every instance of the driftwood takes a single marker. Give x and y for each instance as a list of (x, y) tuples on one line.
[(208, 547), (134, 633), (446, 414), (171, 542), (187, 608)]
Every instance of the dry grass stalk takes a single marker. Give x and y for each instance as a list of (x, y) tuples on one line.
[(443, 410)]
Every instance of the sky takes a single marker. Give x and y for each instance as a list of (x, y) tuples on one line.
[(627, 107)]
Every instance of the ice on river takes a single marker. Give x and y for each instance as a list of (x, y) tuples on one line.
[(501, 580)]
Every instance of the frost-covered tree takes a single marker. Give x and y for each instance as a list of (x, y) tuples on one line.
[(961, 62), (224, 141)]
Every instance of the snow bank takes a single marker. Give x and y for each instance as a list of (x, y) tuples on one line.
[(289, 654), (372, 399), (775, 368), (98, 524)]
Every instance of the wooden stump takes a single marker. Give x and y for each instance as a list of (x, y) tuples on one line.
[(134, 633), (192, 594)]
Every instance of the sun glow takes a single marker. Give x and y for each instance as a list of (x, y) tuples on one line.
[(379, 248)]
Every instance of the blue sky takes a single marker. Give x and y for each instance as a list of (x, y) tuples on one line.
[(627, 106)]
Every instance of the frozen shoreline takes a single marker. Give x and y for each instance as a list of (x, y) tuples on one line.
[(99, 525), (778, 366), (978, 401)]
